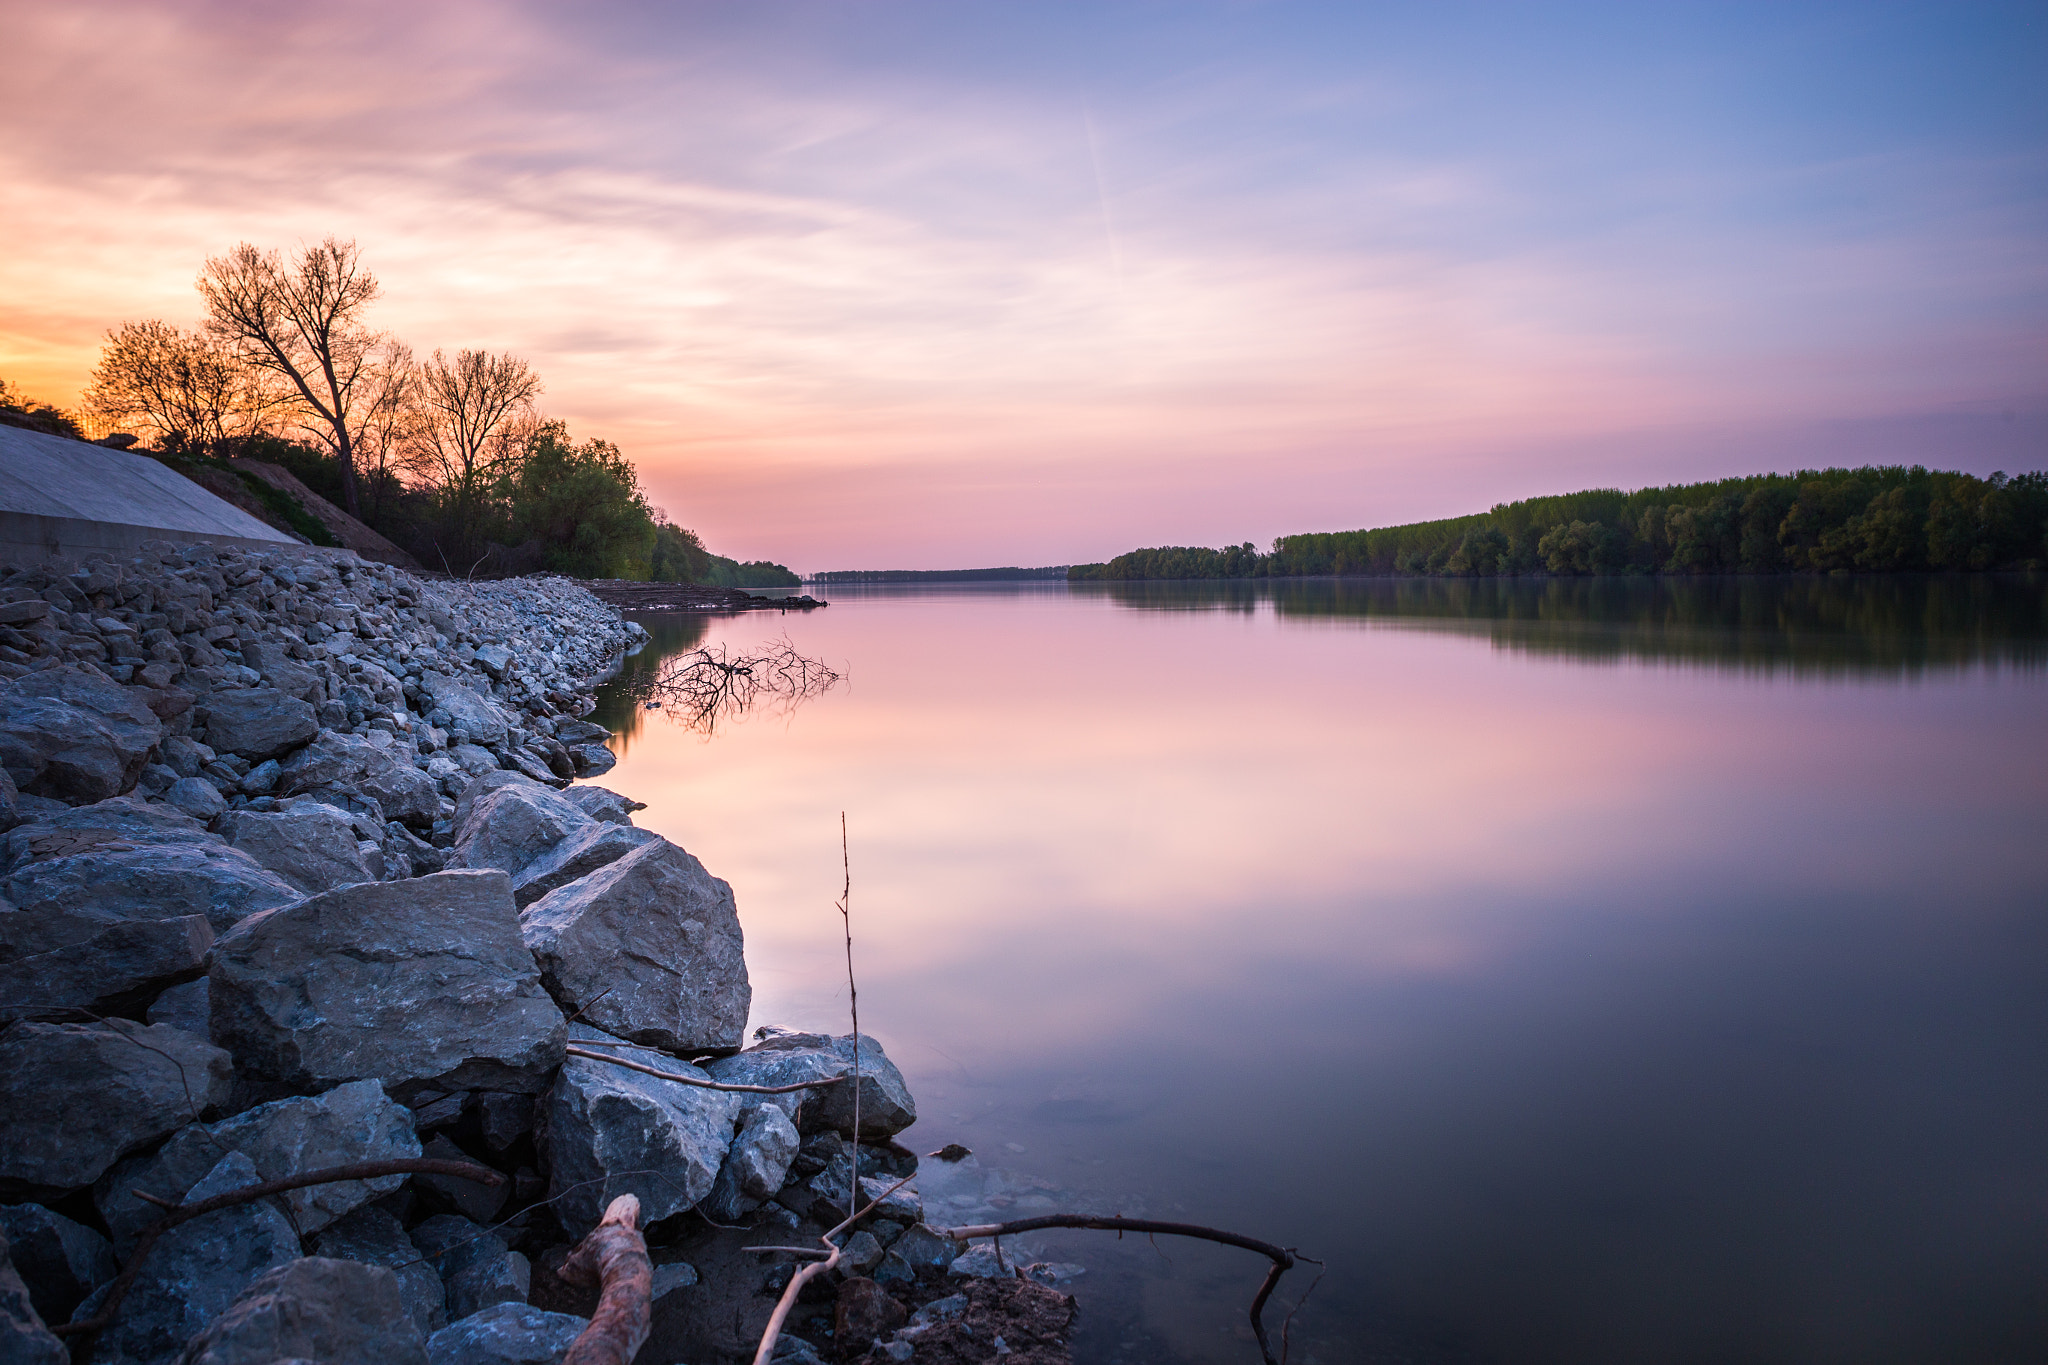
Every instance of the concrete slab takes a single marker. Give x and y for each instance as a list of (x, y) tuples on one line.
[(65, 499)]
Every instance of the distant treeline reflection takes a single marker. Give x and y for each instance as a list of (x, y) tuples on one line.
[(1902, 623)]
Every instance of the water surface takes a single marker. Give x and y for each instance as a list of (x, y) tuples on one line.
[(1595, 971)]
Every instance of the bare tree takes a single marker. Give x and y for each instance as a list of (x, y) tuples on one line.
[(189, 383), (303, 323), (476, 412), (387, 444)]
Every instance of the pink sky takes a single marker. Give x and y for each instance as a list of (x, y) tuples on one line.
[(896, 285)]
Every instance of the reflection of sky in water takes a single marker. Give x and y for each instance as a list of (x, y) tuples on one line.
[(1578, 1013)]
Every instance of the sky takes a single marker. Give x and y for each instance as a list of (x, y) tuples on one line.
[(893, 284)]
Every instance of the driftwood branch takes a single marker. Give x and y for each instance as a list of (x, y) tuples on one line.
[(613, 1256), (91, 1327), (1283, 1258), (773, 1332), (699, 1082), (711, 684)]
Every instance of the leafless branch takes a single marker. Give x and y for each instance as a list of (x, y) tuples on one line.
[(614, 1258), (577, 1050), (711, 684)]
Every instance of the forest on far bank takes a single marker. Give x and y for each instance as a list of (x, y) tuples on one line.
[(1873, 519), (448, 457)]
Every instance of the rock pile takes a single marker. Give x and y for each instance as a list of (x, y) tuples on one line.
[(292, 876)]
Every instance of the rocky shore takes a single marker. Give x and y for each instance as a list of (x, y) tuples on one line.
[(294, 876)]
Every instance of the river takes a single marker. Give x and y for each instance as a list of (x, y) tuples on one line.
[(1584, 971)]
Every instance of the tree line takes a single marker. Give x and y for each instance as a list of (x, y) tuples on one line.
[(1873, 519), (448, 456)]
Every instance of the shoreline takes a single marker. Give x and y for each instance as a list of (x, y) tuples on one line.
[(295, 876)]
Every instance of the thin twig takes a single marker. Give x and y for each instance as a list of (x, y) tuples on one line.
[(773, 1332), (852, 1000), (1283, 1258), (578, 1050), (248, 1194)]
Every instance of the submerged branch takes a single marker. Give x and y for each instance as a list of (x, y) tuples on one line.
[(711, 684)]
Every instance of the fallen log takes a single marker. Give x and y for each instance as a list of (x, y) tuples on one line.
[(614, 1258)]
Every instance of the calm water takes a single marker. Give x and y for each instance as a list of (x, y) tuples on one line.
[(1588, 972)]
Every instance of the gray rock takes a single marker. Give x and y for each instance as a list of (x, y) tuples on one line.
[(608, 1128), (494, 658), (120, 822), (113, 972), (423, 984), (10, 802), (886, 1106), (25, 1339), (184, 1007), (196, 797), (258, 723), (70, 900), (672, 1278), (60, 1261), (478, 761), (196, 1271), (756, 1165), (600, 803), (420, 857), (658, 939), (506, 1334), (470, 717), (339, 763), (476, 1268), (262, 779), (592, 760), (312, 846), (925, 1249), (862, 1253), (80, 1096), (280, 670), (504, 1118), (473, 1200), (794, 1350), (315, 1308), (980, 1262), (374, 1236), (353, 1122), (70, 733), (513, 825), (594, 845)]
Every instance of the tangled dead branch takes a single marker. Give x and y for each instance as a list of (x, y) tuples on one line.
[(91, 1327), (1283, 1258), (713, 684)]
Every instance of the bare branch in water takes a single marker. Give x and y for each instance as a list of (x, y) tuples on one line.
[(712, 684)]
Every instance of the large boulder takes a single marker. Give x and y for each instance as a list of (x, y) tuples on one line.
[(506, 1334), (113, 825), (585, 850), (78, 1097), (423, 984), (374, 1236), (312, 846), (115, 971), (353, 1122), (258, 723), (70, 900), (335, 764), (333, 1312), (886, 1106), (72, 734), (60, 1261), (25, 1337), (613, 1131), (648, 948), (195, 1271), (756, 1165), (509, 827)]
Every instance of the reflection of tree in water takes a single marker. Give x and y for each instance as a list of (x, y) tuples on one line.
[(699, 686), (1897, 624)]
